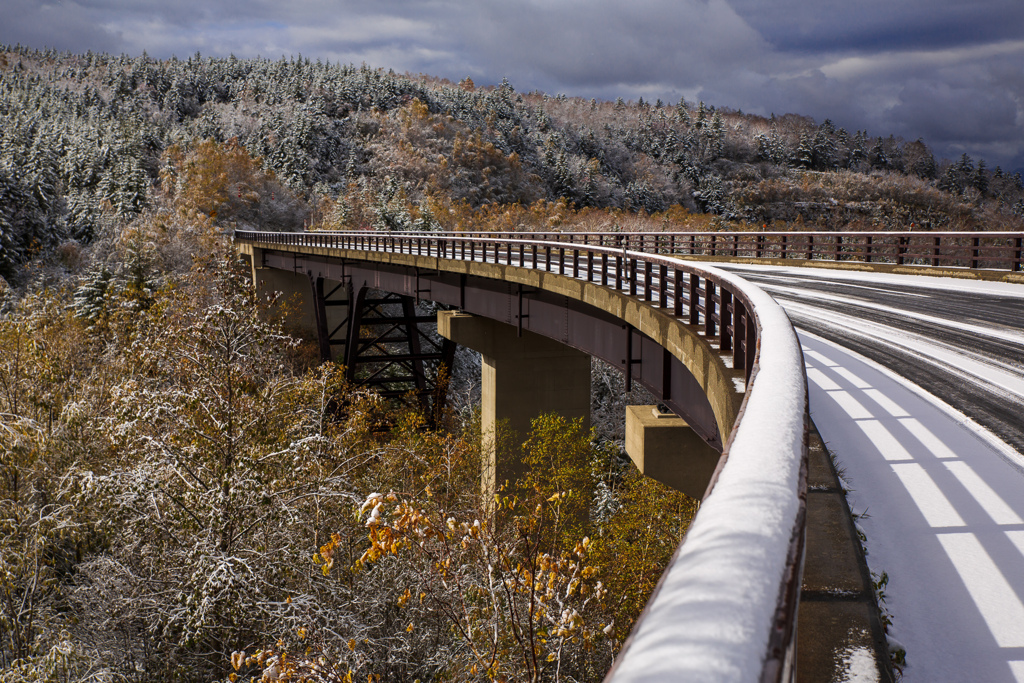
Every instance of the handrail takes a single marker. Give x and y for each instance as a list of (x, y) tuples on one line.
[(725, 608), (989, 250)]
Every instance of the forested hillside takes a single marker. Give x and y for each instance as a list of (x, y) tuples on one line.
[(87, 138), (185, 495)]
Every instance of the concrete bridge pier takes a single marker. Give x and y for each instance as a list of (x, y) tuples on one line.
[(522, 377)]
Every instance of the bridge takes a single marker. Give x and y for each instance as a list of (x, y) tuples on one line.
[(716, 350)]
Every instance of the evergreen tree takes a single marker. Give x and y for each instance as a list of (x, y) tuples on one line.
[(979, 179), (90, 299), (804, 156)]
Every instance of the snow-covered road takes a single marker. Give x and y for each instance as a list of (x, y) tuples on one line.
[(929, 459)]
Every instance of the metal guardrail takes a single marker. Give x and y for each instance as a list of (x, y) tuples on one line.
[(973, 250), (763, 469)]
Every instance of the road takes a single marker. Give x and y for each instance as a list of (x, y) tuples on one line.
[(917, 386)]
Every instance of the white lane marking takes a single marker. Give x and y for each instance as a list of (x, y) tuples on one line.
[(851, 406), (853, 379), (987, 498), (929, 440), (1017, 669), (888, 405), (932, 503), (995, 598), (887, 444), (822, 380)]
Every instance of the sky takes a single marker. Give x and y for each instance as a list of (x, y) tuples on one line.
[(950, 72)]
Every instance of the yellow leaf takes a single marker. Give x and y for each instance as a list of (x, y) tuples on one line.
[(409, 628), (352, 644)]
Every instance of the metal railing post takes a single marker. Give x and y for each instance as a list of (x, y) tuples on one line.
[(694, 299), (739, 317), (677, 293), (663, 286), (709, 307), (725, 320)]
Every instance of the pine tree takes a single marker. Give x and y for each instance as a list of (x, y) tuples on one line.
[(90, 299), (823, 148), (804, 156), (979, 179)]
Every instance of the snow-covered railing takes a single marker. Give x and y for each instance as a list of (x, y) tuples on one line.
[(725, 609)]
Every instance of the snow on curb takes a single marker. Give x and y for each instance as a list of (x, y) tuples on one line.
[(712, 615)]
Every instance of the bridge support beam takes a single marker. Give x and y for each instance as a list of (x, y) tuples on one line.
[(664, 447), (522, 377)]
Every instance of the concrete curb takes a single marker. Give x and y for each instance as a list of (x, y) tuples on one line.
[(838, 614)]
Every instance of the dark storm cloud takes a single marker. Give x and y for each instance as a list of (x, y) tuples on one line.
[(948, 71), (830, 25)]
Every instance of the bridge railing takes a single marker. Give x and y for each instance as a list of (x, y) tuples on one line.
[(973, 250), (725, 609)]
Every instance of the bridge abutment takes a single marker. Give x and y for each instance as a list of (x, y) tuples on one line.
[(522, 377)]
